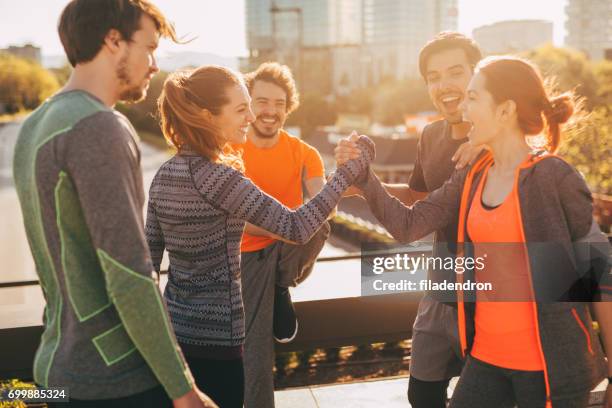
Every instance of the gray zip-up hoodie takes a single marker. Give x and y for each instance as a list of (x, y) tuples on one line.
[(556, 208)]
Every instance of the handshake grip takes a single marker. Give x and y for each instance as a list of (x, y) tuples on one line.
[(354, 169)]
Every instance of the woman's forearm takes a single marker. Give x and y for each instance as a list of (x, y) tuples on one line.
[(260, 232), (408, 224)]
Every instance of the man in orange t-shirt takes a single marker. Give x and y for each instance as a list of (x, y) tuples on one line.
[(281, 165)]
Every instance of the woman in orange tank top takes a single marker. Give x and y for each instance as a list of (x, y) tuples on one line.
[(530, 342), (506, 101)]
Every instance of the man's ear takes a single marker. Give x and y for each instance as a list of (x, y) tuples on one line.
[(113, 40)]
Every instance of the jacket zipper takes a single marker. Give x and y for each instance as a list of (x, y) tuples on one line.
[(584, 329), (460, 251), (535, 310)]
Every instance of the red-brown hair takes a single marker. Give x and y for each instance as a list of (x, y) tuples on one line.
[(519, 80), (184, 98)]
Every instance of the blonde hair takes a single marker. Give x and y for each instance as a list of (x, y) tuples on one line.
[(184, 97)]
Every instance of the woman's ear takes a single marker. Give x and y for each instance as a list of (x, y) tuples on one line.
[(208, 115), (507, 110)]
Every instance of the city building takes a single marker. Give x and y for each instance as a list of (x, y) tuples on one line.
[(311, 36), (589, 27), (340, 45), (27, 51), (513, 36), (285, 25), (395, 31)]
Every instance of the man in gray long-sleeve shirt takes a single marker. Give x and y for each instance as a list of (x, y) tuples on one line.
[(107, 335), (446, 64)]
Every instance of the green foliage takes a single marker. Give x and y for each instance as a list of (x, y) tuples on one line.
[(315, 110), (386, 103), (24, 84), (360, 101), (11, 384), (62, 74), (394, 99), (603, 74), (570, 70), (588, 146)]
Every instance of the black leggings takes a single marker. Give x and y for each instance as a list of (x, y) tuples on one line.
[(427, 394), (221, 380), (484, 385)]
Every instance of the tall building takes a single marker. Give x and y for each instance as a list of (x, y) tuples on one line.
[(349, 43), (276, 24), (395, 31), (313, 37), (513, 36), (589, 27)]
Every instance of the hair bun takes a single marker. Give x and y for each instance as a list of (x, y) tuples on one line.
[(560, 109)]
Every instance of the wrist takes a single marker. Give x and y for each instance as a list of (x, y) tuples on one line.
[(362, 180)]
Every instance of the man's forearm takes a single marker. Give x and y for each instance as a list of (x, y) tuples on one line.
[(142, 312)]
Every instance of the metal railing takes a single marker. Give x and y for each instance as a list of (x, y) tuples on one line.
[(323, 323), (348, 256)]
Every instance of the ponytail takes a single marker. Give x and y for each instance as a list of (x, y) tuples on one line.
[(557, 111), (185, 100), (517, 79)]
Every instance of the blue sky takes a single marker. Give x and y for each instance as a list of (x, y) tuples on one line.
[(219, 24)]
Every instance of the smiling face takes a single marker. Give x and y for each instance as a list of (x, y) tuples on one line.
[(480, 110), (235, 116), (270, 108), (447, 75), (137, 65)]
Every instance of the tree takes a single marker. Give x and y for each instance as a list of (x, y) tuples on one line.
[(358, 101), (570, 69), (24, 84), (587, 143), (314, 111), (394, 99), (62, 74), (588, 146), (603, 74)]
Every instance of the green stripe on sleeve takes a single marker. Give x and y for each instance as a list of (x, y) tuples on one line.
[(139, 304)]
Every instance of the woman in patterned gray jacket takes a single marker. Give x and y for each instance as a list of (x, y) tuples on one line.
[(199, 203)]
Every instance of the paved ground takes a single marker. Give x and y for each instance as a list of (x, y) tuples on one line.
[(384, 393), (390, 393)]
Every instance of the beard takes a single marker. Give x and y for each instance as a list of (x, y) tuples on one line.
[(263, 135), (133, 93), (455, 118)]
